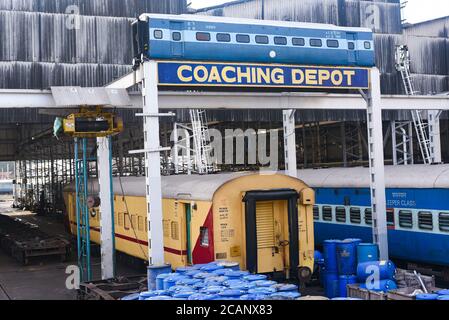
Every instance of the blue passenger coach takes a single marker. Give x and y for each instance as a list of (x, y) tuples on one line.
[(204, 38), (417, 209)]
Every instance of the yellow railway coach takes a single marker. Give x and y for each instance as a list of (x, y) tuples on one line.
[(264, 222)]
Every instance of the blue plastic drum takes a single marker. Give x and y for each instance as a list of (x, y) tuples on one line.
[(262, 290), (254, 297), (284, 287), (427, 296), (385, 269), (236, 274), (367, 252), (184, 294), (160, 280), (211, 267), (213, 289), (445, 297), (131, 297), (330, 255), (160, 298), (347, 257), (229, 265), (331, 285), (255, 277), (286, 295), (203, 296), (229, 293), (264, 283), (242, 285), (443, 292), (171, 280), (343, 282)]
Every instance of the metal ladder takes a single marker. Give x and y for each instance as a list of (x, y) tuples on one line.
[(82, 210), (201, 142), (421, 127)]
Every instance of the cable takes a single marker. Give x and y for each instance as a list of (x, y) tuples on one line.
[(129, 215)]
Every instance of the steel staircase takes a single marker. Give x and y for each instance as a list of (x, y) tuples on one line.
[(421, 127), (201, 142)]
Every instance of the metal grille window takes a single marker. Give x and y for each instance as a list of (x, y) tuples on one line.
[(204, 234), (351, 45), (405, 219), (425, 220), (327, 213), (126, 221), (355, 215), (265, 225), (368, 216), (332, 43), (223, 37), (140, 223), (316, 213), (176, 36), (443, 221), (262, 39), (316, 43), (299, 42), (158, 34), (203, 36), (367, 45), (340, 214), (174, 230), (242, 38), (166, 228), (280, 41), (120, 219)]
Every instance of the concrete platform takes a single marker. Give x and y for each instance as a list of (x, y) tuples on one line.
[(43, 279)]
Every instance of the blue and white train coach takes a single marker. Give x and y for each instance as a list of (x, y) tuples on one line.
[(417, 209), (204, 38)]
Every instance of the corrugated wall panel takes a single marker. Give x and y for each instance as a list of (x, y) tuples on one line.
[(116, 8), (42, 75), (428, 55), (387, 14), (437, 28)]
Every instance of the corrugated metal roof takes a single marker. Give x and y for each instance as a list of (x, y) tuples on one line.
[(197, 187), (413, 176)]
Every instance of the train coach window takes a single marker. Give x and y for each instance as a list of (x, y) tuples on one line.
[(340, 214), (368, 216), (405, 219), (367, 45), (316, 213), (299, 42), (204, 234), (355, 215), (327, 213), (176, 36), (262, 39), (203, 36), (333, 43), (280, 41), (223, 37), (158, 34), (351, 45), (174, 230), (443, 221), (242, 38), (425, 220), (390, 218), (316, 43)]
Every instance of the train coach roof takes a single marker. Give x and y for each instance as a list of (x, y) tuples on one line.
[(181, 187), (288, 24), (412, 176)]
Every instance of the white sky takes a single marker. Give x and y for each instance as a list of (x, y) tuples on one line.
[(416, 11)]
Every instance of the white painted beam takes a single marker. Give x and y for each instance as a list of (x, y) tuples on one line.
[(107, 232), (290, 143), (240, 100)]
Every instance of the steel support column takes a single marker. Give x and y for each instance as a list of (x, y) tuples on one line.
[(107, 232), (376, 162), (153, 164), (290, 143), (434, 136)]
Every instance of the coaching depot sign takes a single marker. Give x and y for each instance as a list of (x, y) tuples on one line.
[(193, 74)]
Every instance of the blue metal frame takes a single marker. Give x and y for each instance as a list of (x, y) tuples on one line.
[(82, 211)]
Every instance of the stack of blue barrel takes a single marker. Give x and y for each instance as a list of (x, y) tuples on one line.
[(216, 281), (349, 262), (439, 295)]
